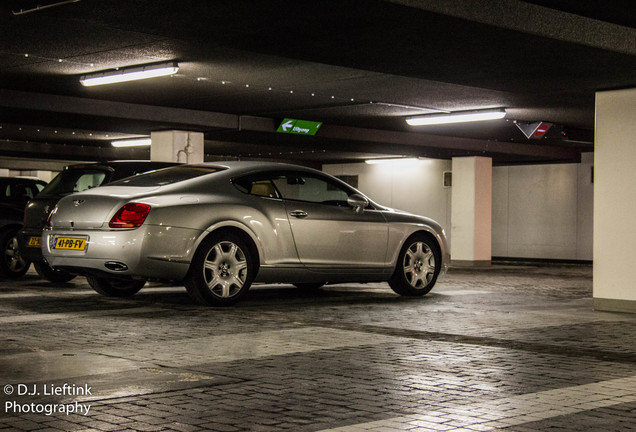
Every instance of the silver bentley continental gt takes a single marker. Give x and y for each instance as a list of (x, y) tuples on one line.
[(219, 227)]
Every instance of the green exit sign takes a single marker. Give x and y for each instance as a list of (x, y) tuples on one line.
[(301, 127)]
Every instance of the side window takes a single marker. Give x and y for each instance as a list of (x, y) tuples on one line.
[(19, 191), (263, 188), (257, 186), (303, 187), (34, 189), (5, 191)]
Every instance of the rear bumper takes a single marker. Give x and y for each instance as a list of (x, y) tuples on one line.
[(29, 250), (149, 252)]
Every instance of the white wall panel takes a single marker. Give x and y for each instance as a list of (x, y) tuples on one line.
[(585, 211), (500, 211), (542, 211)]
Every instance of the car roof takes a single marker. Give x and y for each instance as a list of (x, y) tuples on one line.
[(245, 167), (114, 164), (22, 178)]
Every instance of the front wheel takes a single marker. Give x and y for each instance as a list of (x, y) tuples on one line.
[(222, 270), (115, 287), (12, 264), (417, 268)]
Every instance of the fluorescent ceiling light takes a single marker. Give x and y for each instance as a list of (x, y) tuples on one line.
[(391, 161), (135, 142), (130, 74), (458, 117)]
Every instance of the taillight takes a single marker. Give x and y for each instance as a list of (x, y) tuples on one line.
[(132, 215), (49, 217)]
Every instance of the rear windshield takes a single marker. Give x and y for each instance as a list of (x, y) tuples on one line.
[(75, 180), (166, 176)]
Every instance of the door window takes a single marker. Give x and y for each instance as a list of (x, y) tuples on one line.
[(311, 189)]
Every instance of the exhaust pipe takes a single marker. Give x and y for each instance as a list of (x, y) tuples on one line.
[(116, 266)]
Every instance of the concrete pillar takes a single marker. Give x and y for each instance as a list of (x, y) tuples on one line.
[(615, 201), (47, 176), (176, 146), (471, 211)]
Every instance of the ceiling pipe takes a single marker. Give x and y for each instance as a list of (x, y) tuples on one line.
[(40, 7)]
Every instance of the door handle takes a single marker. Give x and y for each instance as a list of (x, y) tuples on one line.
[(298, 214)]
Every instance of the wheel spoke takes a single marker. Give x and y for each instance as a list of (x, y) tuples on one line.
[(210, 265), (225, 288), (418, 249), (218, 252), (231, 255), (240, 266), (239, 278), (214, 281)]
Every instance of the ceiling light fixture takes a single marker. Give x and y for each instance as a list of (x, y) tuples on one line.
[(135, 142), (391, 161), (130, 74), (457, 117)]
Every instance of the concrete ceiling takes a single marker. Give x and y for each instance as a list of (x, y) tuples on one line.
[(359, 66)]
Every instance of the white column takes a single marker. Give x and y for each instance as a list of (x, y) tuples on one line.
[(615, 201), (176, 146), (47, 176), (471, 211)]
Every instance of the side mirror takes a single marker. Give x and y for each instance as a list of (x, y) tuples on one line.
[(358, 202)]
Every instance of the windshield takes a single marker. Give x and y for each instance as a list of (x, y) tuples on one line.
[(166, 176), (74, 180)]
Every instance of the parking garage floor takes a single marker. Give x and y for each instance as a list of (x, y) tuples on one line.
[(506, 348)]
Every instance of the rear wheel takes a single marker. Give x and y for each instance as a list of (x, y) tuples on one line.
[(12, 264), (115, 287), (51, 274), (222, 270), (417, 268)]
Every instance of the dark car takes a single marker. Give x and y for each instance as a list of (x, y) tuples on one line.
[(74, 178), (15, 192)]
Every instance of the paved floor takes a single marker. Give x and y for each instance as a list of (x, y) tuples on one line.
[(509, 348)]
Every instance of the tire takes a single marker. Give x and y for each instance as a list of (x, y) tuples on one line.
[(417, 267), (115, 287), (222, 270), (12, 264), (51, 274), (309, 286)]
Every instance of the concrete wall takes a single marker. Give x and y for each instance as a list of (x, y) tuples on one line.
[(538, 211), (47, 176)]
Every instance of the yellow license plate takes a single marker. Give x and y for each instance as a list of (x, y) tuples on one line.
[(35, 241), (70, 243)]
